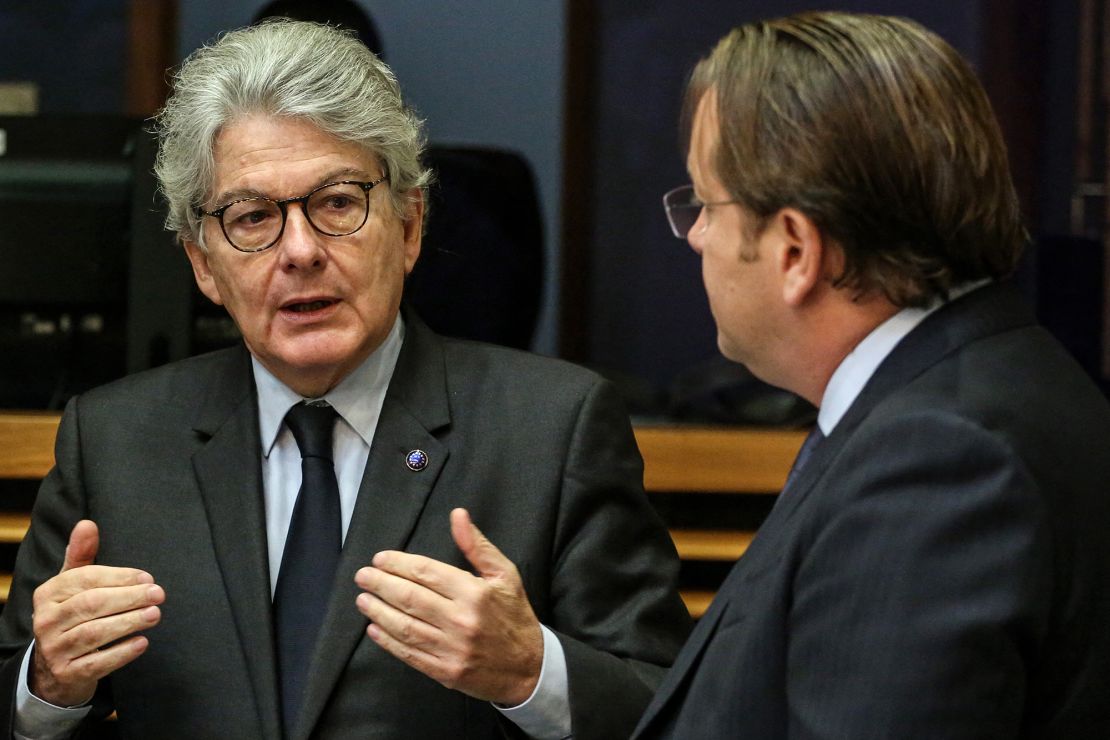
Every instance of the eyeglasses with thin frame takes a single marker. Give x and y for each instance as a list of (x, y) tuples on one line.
[(683, 208), (333, 209)]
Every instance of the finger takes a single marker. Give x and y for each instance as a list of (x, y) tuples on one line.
[(97, 664), (67, 666), (69, 583), (100, 663), (69, 681), (402, 627), (489, 561), (97, 634), (52, 618), (444, 579), (84, 541), (426, 663), (407, 596), (99, 603)]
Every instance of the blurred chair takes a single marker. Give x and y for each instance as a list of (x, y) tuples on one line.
[(480, 273)]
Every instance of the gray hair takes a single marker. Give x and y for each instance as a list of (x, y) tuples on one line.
[(282, 68)]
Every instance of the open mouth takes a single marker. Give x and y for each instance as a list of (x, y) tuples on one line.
[(308, 306)]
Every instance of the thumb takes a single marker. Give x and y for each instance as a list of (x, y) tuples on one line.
[(84, 541), (482, 554)]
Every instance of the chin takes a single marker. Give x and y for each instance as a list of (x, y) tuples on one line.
[(729, 349), (308, 357)]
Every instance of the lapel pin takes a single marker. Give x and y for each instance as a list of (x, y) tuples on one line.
[(416, 460)]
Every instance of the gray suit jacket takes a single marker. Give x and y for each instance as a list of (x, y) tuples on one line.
[(540, 452), (940, 568)]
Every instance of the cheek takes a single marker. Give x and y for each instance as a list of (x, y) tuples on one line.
[(721, 277), (240, 291), (383, 261), (711, 268)]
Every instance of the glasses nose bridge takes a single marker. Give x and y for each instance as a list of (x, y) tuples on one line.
[(283, 206)]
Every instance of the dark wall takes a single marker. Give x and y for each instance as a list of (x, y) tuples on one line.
[(75, 50), (1056, 167)]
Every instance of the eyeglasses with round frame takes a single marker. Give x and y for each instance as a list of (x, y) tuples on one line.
[(252, 224), (683, 208)]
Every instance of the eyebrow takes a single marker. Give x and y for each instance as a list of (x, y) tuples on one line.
[(228, 196)]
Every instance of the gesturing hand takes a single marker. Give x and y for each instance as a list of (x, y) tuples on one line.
[(80, 619), (477, 634)]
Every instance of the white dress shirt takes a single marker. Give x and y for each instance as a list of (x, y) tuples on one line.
[(856, 369), (358, 400)]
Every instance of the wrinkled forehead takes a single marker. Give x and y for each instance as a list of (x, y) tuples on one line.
[(266, 152)]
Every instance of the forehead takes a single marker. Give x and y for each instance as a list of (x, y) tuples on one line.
[(282, 156)]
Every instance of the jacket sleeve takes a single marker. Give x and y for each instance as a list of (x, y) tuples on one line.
[(615, 603), (924, 591), (59, 505)]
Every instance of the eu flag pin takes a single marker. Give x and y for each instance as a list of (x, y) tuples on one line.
[(416, 460)]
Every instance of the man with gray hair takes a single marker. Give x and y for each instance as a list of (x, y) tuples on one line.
[(937, 565), (266, 541)]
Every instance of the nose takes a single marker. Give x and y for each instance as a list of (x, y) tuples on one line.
[(302, 247), (696, 235)]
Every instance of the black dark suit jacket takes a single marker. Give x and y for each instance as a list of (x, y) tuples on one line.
[(540, 452), (939, 569)]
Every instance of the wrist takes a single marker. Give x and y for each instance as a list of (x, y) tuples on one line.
[(523, 689)]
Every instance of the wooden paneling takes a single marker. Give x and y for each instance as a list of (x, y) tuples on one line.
[(711, 544), (27, 444), (696, 601), (151, 51), (13, 527), (717, 459), (26, 452), (677, 459)]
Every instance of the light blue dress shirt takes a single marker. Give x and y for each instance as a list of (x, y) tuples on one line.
[(853, 372)]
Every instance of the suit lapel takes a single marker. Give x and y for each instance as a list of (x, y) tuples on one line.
[(229, 477), (981, 313), (687, 660), (390, 500)]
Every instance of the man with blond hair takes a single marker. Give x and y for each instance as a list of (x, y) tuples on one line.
[(937, 565)]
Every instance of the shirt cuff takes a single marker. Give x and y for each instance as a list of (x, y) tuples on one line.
[(36, 719), (545, 714)]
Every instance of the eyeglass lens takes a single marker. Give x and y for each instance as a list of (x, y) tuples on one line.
[(336, 210), (682, 209)]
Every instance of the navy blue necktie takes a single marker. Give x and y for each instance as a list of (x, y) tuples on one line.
[(815, 437), (311, 554)]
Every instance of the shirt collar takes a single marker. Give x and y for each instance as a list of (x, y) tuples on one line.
[(861, 363), (357, 398)]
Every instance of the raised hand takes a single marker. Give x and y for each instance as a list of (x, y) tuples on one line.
[(84, 621), (474, 633)]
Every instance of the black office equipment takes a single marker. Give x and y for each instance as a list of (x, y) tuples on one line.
[(91, 286)]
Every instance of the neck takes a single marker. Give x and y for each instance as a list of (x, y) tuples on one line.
[(828, 335), (310, 384)]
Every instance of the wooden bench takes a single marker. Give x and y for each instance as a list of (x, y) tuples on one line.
[(677, 460), (714, 460), (26, 453)]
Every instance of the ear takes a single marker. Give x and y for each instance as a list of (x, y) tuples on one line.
[(413, 227), (800, 256), (198, 258)]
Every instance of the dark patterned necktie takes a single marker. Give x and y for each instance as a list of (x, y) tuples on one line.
[(814, 438), (311, 554)]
